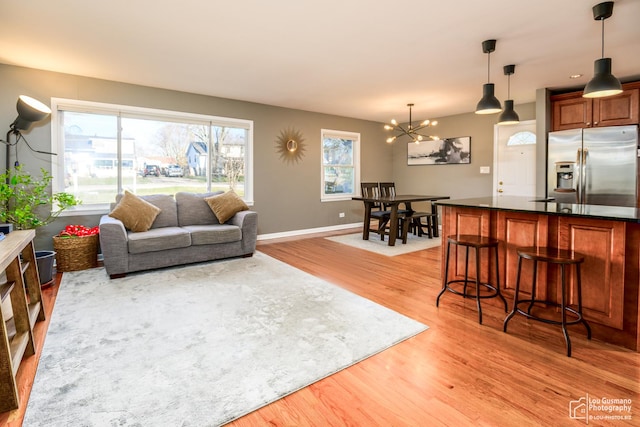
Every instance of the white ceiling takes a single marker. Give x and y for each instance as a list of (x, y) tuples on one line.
[(355, 58)]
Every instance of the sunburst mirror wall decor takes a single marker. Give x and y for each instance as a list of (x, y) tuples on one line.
[(290, 145)]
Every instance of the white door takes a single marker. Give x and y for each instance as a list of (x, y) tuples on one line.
[(514, 162)]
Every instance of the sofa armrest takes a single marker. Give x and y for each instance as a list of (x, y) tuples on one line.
[(248, 223), (114, 245)]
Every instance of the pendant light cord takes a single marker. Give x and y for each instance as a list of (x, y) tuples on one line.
[(489, 67), (602, 38)]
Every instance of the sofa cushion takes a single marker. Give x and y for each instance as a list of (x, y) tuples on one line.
[(158, 239), (226, 205), (135, 213), (193, 210), (168, 216), (214, 234)]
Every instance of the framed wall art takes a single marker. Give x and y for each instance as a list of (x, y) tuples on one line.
[(447, 151)]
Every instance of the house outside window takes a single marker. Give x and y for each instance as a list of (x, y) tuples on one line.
[(340, 165), (105, 149)]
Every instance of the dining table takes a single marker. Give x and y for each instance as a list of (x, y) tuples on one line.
[(391, 203)]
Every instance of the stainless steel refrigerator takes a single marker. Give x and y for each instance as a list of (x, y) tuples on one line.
[(596, 166)]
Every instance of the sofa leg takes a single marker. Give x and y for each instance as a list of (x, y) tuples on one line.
[(117, 276), (247, 255)]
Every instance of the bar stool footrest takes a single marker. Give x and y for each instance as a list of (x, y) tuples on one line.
[(577, 319), (472, 285)]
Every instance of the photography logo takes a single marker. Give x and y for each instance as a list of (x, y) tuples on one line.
[(589, 408), (579, 409)]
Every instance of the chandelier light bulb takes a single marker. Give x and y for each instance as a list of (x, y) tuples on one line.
[(387, 127), (393, 122), (390, 140), (425, 123)]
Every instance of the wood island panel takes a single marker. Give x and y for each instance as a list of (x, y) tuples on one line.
[(603, 244), (610, 273), (515, 230), (464, 221)]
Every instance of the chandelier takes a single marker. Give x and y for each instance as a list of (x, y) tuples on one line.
[(410, 131)]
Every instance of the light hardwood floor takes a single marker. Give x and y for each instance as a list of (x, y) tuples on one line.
[(457, 373)]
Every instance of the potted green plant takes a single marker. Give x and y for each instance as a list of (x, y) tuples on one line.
[(27, 203)]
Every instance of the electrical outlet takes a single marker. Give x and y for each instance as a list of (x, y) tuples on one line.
[(485, 169), (341, 214)]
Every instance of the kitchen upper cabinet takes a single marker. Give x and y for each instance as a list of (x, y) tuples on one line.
[(572, 111)]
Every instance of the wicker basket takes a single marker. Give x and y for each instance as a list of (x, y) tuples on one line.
[(76, 253)]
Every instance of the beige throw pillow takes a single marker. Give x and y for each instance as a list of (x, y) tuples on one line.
[(225, 206), (136, 214)]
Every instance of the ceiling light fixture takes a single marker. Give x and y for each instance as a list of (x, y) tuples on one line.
[(410, 131), (603, 82), (489, 104), (509, 115)]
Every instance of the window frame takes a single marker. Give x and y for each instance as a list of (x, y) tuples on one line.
[(355, 137), (128, 111)]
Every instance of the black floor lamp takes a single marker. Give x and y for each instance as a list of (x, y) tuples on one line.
[(30, 110)]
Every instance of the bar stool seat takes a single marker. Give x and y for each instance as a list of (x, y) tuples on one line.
[(562, 258), (476, 242)]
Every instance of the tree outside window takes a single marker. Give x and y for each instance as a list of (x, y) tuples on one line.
[(155, 151)]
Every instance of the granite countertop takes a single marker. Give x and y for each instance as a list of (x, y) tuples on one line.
[(546, 206)]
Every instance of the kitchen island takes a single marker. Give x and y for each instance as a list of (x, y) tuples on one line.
[(608, 236)]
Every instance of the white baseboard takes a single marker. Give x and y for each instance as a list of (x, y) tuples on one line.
[(309, 231)]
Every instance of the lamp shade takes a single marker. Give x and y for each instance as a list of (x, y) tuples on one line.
[(509, 115), (488, 104), (30, 110), (603, 82)]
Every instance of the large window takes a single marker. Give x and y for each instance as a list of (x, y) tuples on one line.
[(340, 164), (104, 149)]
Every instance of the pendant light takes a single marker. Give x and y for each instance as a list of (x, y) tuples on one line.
[(489, 104), (603, 82), (509, 115)]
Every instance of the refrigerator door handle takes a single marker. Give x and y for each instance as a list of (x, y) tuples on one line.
[(578, 181), (585, 157)]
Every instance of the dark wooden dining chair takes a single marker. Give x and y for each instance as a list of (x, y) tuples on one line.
[(371, 189), (422, 223), (388, 189)]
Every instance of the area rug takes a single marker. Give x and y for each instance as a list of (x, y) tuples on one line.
[(198, 345), (374, 244)]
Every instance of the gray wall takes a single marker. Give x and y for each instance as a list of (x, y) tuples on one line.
[(456, 181), (287, 195)]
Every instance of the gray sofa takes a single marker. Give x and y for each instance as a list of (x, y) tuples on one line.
[(185, 231)]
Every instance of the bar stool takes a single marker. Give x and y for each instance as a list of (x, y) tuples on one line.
[(553, 256), (476, 242)]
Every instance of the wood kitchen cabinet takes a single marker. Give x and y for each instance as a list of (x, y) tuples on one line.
[(572, 111)]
